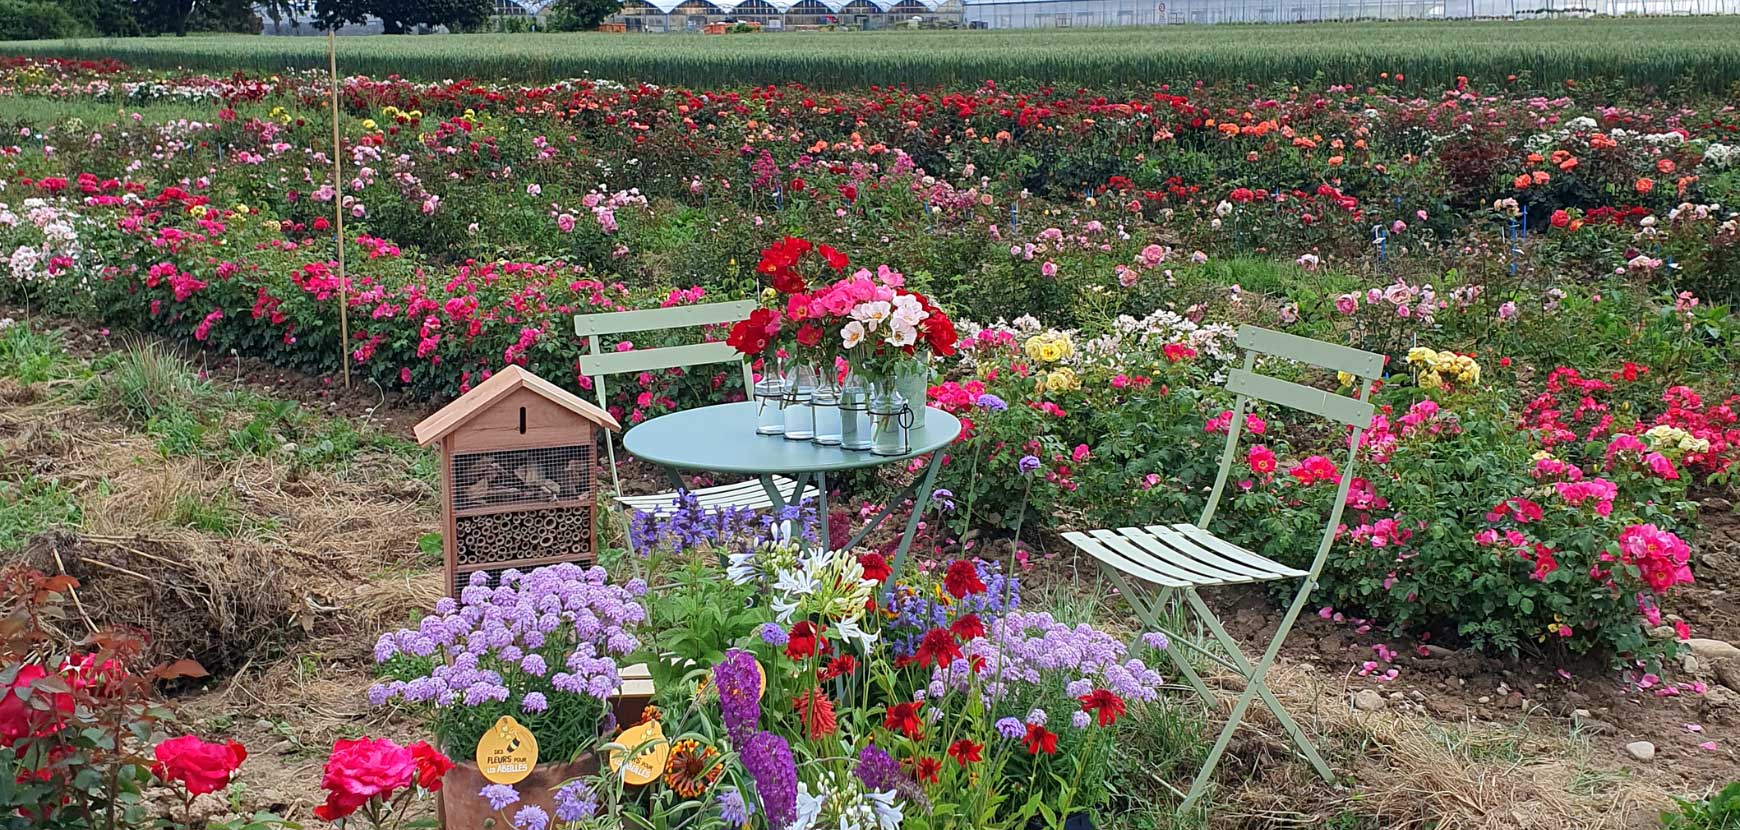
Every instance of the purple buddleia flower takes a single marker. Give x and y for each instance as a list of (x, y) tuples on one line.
[(739, 683), (768, 759)]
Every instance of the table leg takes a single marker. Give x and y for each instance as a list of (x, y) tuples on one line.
[(822, 509), (920, 499), (676, 478)]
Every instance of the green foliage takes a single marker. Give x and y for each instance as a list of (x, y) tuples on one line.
[(36, 21), (1718, 812), (31, 357), (398, 15), (581, 15), (1646, 53), (147, 383), (30, 505)]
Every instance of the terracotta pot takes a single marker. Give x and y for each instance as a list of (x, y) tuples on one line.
[(462, 809)]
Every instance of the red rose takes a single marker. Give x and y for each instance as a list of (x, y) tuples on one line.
[(809, 335), (432, 766), (963, 579), (849, 193), (360, 770), (39, 716), (787, 281), (201, 766), (836, 260)]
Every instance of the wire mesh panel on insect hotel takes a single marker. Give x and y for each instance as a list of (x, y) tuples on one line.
[(519, 477)]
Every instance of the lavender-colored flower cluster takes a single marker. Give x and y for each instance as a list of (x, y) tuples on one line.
[(575, 801), (878, 771), (501, 643), (769, 761), (1032, 648), (731, 529), (739, 683), (912, 611)]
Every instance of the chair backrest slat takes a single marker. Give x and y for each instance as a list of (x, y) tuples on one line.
[(650, 319), (1350, 411), (652, 360), (1315, 352)]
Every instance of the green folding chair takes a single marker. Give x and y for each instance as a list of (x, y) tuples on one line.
[(1153, 566), (598, 364)]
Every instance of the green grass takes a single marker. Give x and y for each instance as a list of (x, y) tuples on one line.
[(1705, 51), (30, 356), (30, 505)]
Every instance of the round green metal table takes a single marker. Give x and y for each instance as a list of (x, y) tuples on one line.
[(722, 439)]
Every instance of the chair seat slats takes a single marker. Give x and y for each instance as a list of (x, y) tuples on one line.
[(1214, 553), (1184, 553), (1232, 551), (1178, 556), (745, 495), (1112, 559)]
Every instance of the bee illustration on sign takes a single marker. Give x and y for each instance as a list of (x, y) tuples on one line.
[(508, 752)]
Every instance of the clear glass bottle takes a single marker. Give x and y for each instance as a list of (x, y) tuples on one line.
[(855, 433), (770, 401), (826, 403), (800, 416), (890, 418)]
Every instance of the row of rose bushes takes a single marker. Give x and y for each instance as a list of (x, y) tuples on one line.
[(1512, 508), (489, 171), (1100, 424)]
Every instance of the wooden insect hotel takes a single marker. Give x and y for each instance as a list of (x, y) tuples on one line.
[(518, 476)]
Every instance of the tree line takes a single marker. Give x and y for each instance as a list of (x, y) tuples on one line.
[(46, 19)]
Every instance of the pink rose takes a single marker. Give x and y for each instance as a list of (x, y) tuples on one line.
[(360, 770)]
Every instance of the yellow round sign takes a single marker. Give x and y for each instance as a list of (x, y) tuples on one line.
[(642, 760), (507, 753)]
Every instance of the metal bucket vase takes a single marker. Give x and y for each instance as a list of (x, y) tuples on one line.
[(461, 808)]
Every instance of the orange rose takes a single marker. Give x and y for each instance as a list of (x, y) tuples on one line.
[(1644, 186)]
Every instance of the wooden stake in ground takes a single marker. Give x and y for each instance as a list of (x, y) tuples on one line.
[(338, 208)]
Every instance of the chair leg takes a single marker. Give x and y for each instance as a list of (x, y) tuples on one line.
[(1255, 685), (1148, 611), (1304, 744)]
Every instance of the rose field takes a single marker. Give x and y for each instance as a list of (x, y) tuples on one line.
[(1477, 317)]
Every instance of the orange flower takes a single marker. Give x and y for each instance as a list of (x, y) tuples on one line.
[(1541, 177), (817, 713), (1522, 182), (1335, 161), (1644, 186), (1568, 164), (1537, 158), (690, 769), (1665, 166)]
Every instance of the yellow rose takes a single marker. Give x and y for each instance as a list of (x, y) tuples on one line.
[(368, 124), (1421, 354), (1050, 352), (197, 211), (1431, 380)]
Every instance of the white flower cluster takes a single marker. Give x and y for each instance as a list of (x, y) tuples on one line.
[(44, 236), (841, 801), (1722, 156)]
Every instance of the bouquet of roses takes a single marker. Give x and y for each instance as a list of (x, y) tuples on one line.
[(869, 318)]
